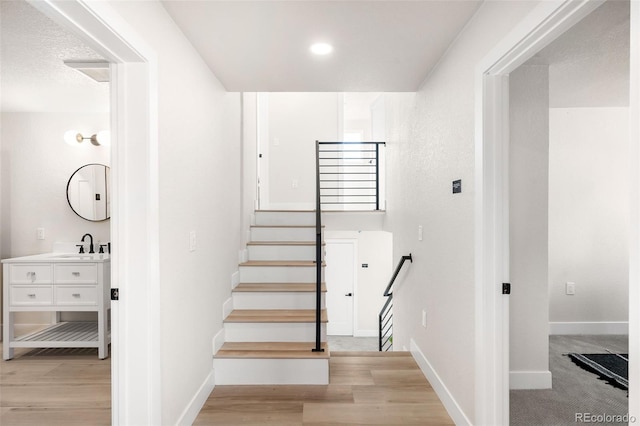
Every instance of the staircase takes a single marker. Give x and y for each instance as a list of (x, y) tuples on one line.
[(270, 334)]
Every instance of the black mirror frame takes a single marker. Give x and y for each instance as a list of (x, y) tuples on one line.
[(106, 191)]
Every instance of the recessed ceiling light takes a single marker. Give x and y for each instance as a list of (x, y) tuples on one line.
[(321, 48)]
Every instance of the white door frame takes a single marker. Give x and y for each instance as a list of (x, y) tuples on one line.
[(545, 23), (135, 326)]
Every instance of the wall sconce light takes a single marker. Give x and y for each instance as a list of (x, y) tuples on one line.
[(73, 137)]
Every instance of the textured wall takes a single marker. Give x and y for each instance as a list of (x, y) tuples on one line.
[(430, 144)]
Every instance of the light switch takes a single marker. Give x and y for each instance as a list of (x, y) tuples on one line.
[(571, 288), (420, 233), (294, 183), (424, 318)]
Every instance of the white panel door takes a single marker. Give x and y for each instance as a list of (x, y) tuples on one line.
[(340, 276)]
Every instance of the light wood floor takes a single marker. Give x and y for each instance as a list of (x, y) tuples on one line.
[(55, 387), (72, 387), (367, 388)]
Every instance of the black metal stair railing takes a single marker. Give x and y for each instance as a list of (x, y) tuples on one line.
[(318, 347), (349, 175), (385, 317)]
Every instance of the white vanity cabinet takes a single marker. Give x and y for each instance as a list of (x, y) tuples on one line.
[(57, 283)]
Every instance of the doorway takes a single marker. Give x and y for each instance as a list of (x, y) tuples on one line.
[(568, 218), (340, 277), (135, 335), (543, 25)]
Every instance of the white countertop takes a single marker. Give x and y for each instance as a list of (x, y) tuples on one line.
[(60, 258)]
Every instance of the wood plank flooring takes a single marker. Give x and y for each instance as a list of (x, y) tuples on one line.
[(72, 387), (55, 387), (367, 388)]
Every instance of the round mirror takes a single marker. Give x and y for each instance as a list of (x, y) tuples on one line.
[(88, 192)]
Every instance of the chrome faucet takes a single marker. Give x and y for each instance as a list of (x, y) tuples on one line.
[(90, 243)]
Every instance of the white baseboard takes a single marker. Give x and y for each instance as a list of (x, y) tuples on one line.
[(235, 279), (243, 255), (603, 327), (197, 402), (227, 307), (449, 402), (218, 341), (519, 380), (365, 333)]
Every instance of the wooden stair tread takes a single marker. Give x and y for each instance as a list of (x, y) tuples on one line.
[(278, 287), (275, 315), (280, 263), (272, 350), (284, 226), (282, 243), (285, 211)]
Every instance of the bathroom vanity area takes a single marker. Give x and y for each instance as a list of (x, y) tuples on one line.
[(58, 282)]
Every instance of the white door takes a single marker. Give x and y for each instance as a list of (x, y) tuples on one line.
[(340, 275)]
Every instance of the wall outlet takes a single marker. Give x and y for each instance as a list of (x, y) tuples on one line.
[(40, 233), (192, 241), (571, 288), (276, 141), (424, 318)]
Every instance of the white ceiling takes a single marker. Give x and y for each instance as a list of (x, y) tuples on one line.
[(378, 45), (589, 64), (33, 76)]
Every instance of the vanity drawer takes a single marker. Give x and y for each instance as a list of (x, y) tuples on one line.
[(76, 295), (31, 295), (76, 273), (30, 274)]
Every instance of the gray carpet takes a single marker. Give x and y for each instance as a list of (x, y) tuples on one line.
[(574, 389)]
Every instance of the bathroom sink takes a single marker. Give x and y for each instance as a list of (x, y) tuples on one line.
[(75, 256)]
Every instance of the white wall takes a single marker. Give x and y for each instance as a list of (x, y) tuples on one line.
[(249, 160), (589, 214), (373, 248), (295, 122), (528, 227), (430, 143), (36, 166), (200, 190)]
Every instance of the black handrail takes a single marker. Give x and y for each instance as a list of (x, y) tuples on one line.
[(357, 185), (385, 317), (318, 347)]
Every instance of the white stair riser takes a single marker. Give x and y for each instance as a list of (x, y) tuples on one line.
[(286, 218), (283, 274), (283, 234), (273, 332), (246, 371), (271, 252), (276, 300)]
